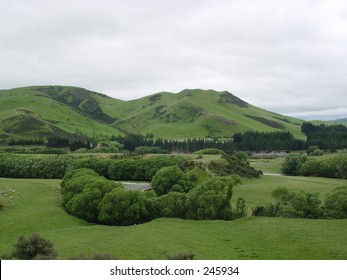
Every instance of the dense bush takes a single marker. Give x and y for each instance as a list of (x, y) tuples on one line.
[(99, 165), (332, 167), (172, 205), (121, 207), (230, 164), (292, 204), (82, 192), (91, 197), (293, 163), (335, 204), (142, 169), (33, 247), (170, 178), (311, 149), (86, 204), (211, 199), (149, 150), (27, 166)]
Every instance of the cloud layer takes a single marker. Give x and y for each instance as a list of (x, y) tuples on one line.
[(286, 56)]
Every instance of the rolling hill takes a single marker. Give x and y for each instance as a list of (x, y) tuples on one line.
[(197, 113), (43, 111)]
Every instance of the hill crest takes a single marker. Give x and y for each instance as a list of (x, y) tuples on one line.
[(186, 114)]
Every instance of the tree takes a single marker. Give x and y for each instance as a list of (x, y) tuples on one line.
[(34, 247), (170, 178), (120, 207), (171, 205), (85, 205), (292, 204), (293, 163), (311, 149), (211, 199), (335, 204), (242, 156)]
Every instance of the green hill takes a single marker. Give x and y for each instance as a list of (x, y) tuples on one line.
[(197, 113), (43, 111), (54, 111)]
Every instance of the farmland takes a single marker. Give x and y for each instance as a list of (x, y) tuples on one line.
[(38, 209)]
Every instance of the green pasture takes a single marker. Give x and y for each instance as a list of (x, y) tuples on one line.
[(272, 165), (37, 209)]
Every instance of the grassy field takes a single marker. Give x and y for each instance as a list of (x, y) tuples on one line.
[(268, 165), (37, 209)]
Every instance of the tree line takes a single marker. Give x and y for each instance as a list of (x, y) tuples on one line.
[(327, 137), (250, 140)]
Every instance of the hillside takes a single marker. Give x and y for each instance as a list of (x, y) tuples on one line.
[(43, 111), (197, 113)]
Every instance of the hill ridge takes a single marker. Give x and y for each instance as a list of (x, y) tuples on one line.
[(188, 113)]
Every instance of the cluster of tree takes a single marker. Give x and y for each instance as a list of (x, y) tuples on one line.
[(250, 140), (331, 167), (32, 150), (314, 151), (90, 196), (143, 169), (129, 168), (132, 141), (231, 164), (303, 204), (102, 147), (327, 137), (279, 140), (27, 166), (149, 150), (62, 142)]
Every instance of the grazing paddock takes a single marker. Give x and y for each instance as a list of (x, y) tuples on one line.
[(37, 209)]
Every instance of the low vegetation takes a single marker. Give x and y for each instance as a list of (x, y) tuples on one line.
[(33, 248)]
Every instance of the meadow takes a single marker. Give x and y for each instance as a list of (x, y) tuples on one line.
[(38, 209)]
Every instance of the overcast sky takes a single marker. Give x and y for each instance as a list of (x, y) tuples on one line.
[(287, 56)]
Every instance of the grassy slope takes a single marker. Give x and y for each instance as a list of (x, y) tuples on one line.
[(216, 119), (190, 113), (37, 209), (25, 100)]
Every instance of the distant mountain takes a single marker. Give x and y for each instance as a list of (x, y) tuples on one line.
[(342, 121), (43, 111)]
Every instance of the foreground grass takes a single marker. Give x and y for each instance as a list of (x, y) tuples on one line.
[(37, 209)]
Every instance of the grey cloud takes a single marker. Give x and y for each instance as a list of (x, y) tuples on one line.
[(285, 56)]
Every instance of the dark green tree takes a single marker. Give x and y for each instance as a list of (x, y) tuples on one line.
[(211, 199), (293, 163), (170, 178), (120, 207)]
